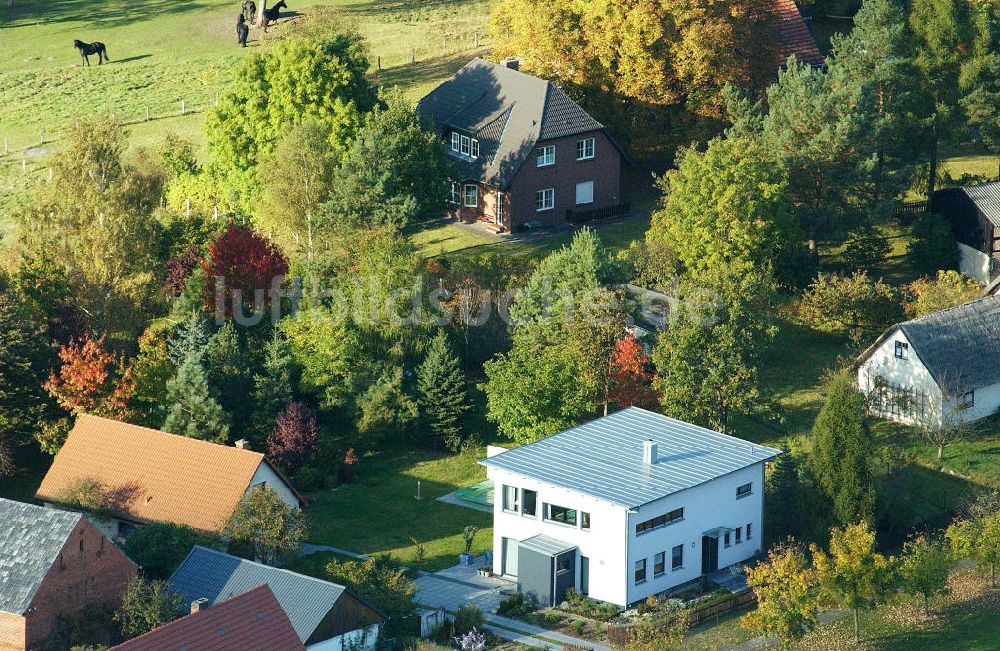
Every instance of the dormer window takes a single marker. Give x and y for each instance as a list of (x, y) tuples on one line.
[(464, 145), (902, 350)]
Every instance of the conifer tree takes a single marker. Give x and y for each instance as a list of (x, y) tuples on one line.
[(843, 450), (272, 389), (441, 392), (192, 409)]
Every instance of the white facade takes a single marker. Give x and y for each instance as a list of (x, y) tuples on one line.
[(906, 392), (266, 475), (974, 263), (611, 544)]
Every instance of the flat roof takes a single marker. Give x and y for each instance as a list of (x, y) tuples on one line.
[(603, 458), (546, 545)]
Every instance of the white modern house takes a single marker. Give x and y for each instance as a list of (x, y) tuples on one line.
[(939, 370), (626, 506)]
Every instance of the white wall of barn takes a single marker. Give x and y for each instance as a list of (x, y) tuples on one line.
[(266, 474)]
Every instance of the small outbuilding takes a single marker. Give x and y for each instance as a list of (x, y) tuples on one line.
[(974, 215)]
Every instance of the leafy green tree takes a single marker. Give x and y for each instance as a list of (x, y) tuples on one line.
[(264, 521), (94, 218), (152, 369), (789, 500), (707, 359), (159, 547), (441, 392), (853, 574), (787, 594), (146, 604), (297, 78), (386, 406), (866, 249), (933, 246), (924, 568), (396, 170), (177, 155), (327, 351), (295, 181), (726, 208), (947, 290), (533, 392), (844, 451), (853, 304), (383, 583), (978, 537)]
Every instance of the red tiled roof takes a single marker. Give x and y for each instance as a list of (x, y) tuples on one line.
[(794, 36), (250, 621)]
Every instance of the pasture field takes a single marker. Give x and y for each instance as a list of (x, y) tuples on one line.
[(165, 52)]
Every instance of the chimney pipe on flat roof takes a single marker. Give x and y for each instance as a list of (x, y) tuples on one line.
[(243, 444), (199, 604), (649, 452), (513, 64)]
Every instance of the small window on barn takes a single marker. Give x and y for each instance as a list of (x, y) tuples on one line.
[(968, 400), (902, 350)]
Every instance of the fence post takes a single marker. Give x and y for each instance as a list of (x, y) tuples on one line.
[(24, 166), (378, 63), (41, 136), (215, 214), (475, 35), (183, 107), (413, 55), (147, 114), (5, 145), (187, 207)]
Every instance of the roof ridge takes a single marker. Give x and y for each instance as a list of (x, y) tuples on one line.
[(191, 439), (264, 565)]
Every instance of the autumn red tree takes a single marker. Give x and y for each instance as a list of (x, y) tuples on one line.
[(91, 380), (246, 263), (295, 439), (631, 381), (180, 267)]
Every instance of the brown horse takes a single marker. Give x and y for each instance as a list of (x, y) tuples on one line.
[(271, 15)]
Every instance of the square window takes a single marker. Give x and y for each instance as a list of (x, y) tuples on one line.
[(456, 141), (584, 520), (739, 535), (530, 502), (545, 199), (677, 557), (902, 350), (585, 149), (744, 490), (510, 501), (584, 192), (546, 155), (659, 563), (471, 196), (640, 571)]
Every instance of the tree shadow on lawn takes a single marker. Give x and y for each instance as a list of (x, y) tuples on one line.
[(100, 14), (379, 513), (428, 70), (970, 625)]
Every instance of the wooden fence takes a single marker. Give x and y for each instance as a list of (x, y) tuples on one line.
[(619, 634), (907, 210)]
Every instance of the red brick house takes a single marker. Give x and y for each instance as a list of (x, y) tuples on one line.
[(250, 621), (52, 563), (522, 151)]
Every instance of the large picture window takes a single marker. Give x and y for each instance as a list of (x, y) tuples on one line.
[(560, 514)]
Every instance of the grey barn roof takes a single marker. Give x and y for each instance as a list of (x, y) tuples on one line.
[(217, 576), (603, 458), (508, 111), (30, 541), (960, 347), (987, 200)]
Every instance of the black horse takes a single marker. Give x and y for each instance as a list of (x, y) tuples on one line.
[(250, 12), (271, 15), (86, 49), (242, 31)]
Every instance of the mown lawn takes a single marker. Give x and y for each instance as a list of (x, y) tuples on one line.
[(380, 514)]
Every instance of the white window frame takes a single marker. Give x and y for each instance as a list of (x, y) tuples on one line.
[(541, 205), (902, 350), (749, 490), (455, 193), (516, 493), (474, 147), (577, 194), (660, 560), (466, 145), (676, 566), (640, 566), (582, 147), (475, 195), (546, 156), (456, 141)]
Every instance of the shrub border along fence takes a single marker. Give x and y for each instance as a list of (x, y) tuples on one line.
[(618, 634)]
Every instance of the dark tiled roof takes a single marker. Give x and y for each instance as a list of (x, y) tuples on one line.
[(960, 346), (509, 112), (987, 200), (217, 576), (250, 621), (30, 540), (794, 36)]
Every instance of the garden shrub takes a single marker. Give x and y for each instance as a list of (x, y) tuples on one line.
[(515, 606), (468, 618)]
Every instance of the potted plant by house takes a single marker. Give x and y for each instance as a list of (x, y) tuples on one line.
[(468, 535)]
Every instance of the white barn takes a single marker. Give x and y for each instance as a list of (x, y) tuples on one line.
[(626, 506), (938, 370)]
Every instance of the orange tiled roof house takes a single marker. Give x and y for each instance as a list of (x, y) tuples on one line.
[(151, 476)]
